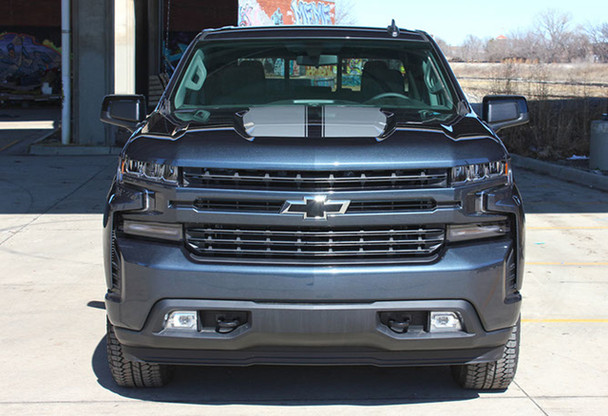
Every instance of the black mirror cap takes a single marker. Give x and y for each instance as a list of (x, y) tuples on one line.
[(503, 111), (123, 110)]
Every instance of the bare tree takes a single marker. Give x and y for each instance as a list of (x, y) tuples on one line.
[(473, 49), (445, 48), (525, 45), (554, 29), (344, 13), (497, 50), (578, 46), (554, 38), (598, 38)]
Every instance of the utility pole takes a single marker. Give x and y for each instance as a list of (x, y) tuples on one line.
[(66, 107)]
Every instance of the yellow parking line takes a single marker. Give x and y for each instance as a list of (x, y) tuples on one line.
[(566, 263), (568, 228), (9, 145), (594, 321)]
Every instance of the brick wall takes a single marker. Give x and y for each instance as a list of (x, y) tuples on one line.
[(289, 12)]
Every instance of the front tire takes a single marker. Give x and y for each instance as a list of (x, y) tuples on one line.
[(128, 373), (496, 375)]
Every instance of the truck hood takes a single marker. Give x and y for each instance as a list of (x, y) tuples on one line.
[(365, 139)]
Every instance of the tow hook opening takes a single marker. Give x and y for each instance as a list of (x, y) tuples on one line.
[(223, 322), (224, 326), (402, 322), (399, 327)]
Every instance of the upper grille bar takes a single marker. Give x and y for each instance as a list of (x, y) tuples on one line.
[(314, 180), (319, 234), (220, 241)]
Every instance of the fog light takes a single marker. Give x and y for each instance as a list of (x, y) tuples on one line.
[(463, 232), (445, 322), (182, 320), (165, 231)]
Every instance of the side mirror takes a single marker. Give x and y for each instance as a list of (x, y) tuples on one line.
[(123, 110), (502, 111)]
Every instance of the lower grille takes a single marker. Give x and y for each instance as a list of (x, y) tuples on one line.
[(228, 205), (512, 294), (318, 246), (384, 206), (115, 266)]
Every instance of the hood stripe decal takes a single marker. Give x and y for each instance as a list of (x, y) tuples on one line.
[(314, 122)]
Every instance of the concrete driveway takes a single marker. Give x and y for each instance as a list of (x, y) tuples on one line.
[(20, 127), (53, 325)]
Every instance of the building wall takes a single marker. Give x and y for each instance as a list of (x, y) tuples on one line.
[(286, 12), (196, 15), (30, 40), (45, 13), (184, 19)]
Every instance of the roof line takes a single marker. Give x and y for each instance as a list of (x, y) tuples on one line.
[(329, 28)]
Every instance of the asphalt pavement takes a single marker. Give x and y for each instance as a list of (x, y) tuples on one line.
[(53, 320)]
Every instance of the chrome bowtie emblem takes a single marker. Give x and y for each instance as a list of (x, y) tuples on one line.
[(314, 207)]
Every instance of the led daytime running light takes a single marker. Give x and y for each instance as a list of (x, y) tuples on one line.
[(158, 172), (479, 172)]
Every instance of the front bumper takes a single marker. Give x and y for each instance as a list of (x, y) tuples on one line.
[(312, 314), (307, 314), (320, 334), (308, 356)]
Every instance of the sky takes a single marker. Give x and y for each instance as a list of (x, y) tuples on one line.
[(453, 20)]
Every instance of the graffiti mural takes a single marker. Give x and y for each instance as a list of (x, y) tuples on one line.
[(312, 13), (251, 13), (286, 12), (26, 63), (352, 71), (257, 13)]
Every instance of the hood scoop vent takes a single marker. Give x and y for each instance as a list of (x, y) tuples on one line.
[(316, 122)]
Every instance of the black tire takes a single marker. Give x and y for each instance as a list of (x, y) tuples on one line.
[(128, 373), (496, 375)]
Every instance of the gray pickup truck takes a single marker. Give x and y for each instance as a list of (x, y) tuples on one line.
[(314, 195)]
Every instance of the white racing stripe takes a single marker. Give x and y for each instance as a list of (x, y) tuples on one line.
[(353, 122), (276, 121), (292, 121)]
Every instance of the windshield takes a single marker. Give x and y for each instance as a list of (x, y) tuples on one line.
[(389, 74)]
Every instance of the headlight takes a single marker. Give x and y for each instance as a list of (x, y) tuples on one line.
[(480, 171), (157, 172)]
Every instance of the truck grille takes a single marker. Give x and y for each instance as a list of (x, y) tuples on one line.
[(315, 245), (355, 207), (318, 181)]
